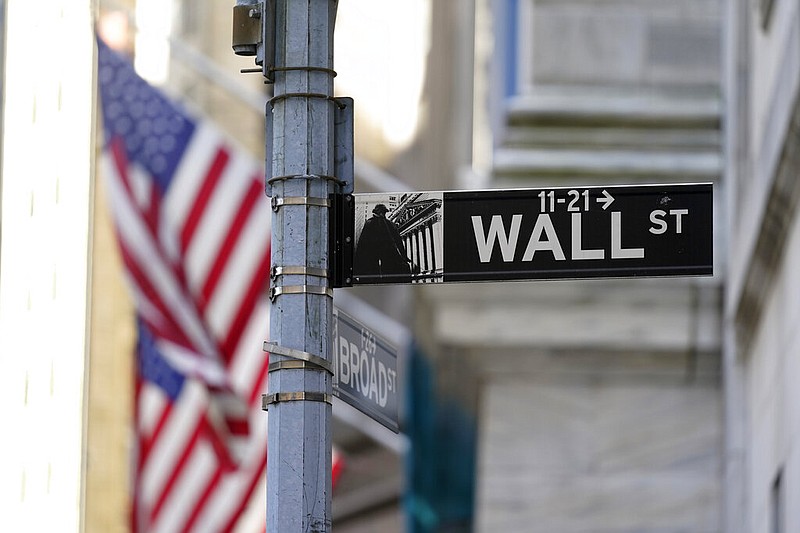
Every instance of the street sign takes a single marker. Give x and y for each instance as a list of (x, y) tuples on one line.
[(530, 234), (365, 370)]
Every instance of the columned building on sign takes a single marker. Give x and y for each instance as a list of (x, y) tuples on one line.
[(419, 221)]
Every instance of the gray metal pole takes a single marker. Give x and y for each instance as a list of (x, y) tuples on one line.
[(299, 419)]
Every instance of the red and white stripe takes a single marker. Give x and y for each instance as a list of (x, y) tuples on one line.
[(198, 262)]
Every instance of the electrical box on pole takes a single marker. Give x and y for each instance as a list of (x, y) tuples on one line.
[(254, 34)]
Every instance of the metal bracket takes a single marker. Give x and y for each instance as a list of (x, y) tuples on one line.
[(321, 290), (329, 71), (286, 96), (343, 147), (341, 243), (269, 399), (297, 271), (292, 365), (298, 355), (277, 202), (332, 179)]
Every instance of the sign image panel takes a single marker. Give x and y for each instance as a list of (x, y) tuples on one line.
[(398, 238), (365, 370), (530, 234)]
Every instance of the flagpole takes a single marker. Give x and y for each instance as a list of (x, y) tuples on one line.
[(302, 148)]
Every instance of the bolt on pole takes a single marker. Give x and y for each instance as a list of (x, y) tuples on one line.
[(302, 147)]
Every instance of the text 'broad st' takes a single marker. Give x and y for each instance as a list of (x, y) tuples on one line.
[(365, 370)]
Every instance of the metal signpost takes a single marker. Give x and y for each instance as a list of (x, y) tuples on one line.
[(292, 42), (324, 236)]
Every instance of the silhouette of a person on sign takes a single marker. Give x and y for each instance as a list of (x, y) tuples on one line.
[(380, 253)]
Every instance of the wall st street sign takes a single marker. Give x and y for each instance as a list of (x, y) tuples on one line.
[(530, 234)]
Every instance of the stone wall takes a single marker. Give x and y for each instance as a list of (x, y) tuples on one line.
[(620, 42)]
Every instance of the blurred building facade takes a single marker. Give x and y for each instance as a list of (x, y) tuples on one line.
[(762, 343), (641, 405), (598, 405), (45, 223)]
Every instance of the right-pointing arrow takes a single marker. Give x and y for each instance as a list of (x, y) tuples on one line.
[(606, 200)]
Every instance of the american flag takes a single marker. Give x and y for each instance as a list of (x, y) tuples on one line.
[(193, 227)]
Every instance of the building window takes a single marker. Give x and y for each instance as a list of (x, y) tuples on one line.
[(776, 504), (765, 8)]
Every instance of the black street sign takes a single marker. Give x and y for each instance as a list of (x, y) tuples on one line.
[(365, 370), (530, 234)]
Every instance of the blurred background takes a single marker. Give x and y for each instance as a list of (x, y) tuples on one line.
[(647, 405)]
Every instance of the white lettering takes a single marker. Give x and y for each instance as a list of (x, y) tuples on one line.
[(344, 361), (383, 385), (364, 376), (535, 244), (617, 251), (373, 379), (497, 231), (354, 366), (577, 245), (678, 214), (656, 217), (660, 225)]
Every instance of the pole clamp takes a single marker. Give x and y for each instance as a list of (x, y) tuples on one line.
[(321, 290), (329, 71), (269, 399), (333, 179), (297, 271), (291, 365), (278, 97), (297, 355), (277, 202)]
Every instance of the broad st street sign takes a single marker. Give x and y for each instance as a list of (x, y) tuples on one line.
[(530, 234), (365, 370)]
